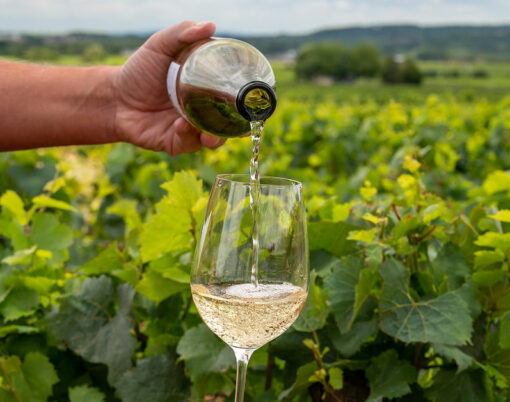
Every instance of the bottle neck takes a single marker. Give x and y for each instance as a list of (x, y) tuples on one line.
[(256, 101)]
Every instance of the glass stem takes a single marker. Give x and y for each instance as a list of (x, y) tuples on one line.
[(242, 359)]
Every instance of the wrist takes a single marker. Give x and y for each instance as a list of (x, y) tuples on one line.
[(111, 99)]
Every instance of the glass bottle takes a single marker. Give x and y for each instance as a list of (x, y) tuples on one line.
[(220, 85)]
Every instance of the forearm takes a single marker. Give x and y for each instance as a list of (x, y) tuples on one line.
[(44, 106)]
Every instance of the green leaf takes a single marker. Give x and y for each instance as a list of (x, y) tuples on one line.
[(45, 201), (290, 347), (127, 209), (502, 215), (20, 256), (84, 323), (302, 382), (341, 211), (14, 232), (497, 181), (350, 343), (19, 302), (468, 386), (445, 319), (406, 225), (16, 329), (488, 278), (49, 234), (6, 396), (485, 258), (336, 378), (156, 287), (31, 381), (106, 261), (13, 203), (462, 360), (504, 337), (204, 352), (452, 265), (332, 237), (469, 293), (494, 240), (366, 236), (84, 393), (315, 311), (342, 284), (368, 278), (497, 357), (169, 229), (155, 379), (389, 377), (184, 189)]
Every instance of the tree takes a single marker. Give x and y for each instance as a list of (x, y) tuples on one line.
[(391, 71), (324, 59), (401, 72), (411, 73), (366, 61)]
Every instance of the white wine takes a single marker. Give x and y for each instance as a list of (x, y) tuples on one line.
[(256, 134), (248, 317)]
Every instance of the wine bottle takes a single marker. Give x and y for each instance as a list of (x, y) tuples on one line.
[(220, 85)]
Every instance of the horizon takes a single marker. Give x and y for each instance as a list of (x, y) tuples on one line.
[(243, 17), (248, 34)]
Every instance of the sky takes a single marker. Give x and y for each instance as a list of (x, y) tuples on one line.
[(241, 16)]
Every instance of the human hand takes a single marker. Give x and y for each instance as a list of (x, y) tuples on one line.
[(144, 113)]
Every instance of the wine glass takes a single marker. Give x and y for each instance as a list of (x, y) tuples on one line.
[(247, 312)]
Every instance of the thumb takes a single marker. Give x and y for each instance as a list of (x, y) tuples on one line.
[(171, 40)]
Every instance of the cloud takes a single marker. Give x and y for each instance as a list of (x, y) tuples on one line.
[(240, 16)]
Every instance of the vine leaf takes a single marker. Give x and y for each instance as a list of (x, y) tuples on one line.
[(155, 379), (302, 382), (49, 234), (444, 319), (504, 339), (389, 377), (332, 237), (84, 323), (156, 287), (13, 203), (20, 302), (174, 217), (85, 394), (462, 359), (204, 352), (468, 386), (30, 381), (315, 311), (342, 282), (106, 261)]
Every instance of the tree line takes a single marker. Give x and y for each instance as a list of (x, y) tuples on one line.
[(341, 63)]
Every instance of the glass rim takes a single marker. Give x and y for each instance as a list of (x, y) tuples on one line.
[(236, 178)]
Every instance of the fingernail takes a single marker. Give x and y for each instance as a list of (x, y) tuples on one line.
[(216, 142), (201, 24)]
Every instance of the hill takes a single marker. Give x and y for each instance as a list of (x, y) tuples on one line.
[(426, 43)]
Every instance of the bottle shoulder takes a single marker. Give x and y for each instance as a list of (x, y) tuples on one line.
[(225, 64)]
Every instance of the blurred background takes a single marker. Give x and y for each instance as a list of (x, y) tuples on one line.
[(396, 117)]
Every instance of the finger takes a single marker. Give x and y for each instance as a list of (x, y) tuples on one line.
[(199, 31), (171, 40), (183, 138), (210, 141)]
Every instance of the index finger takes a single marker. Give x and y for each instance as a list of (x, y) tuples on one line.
[(171, 40)]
